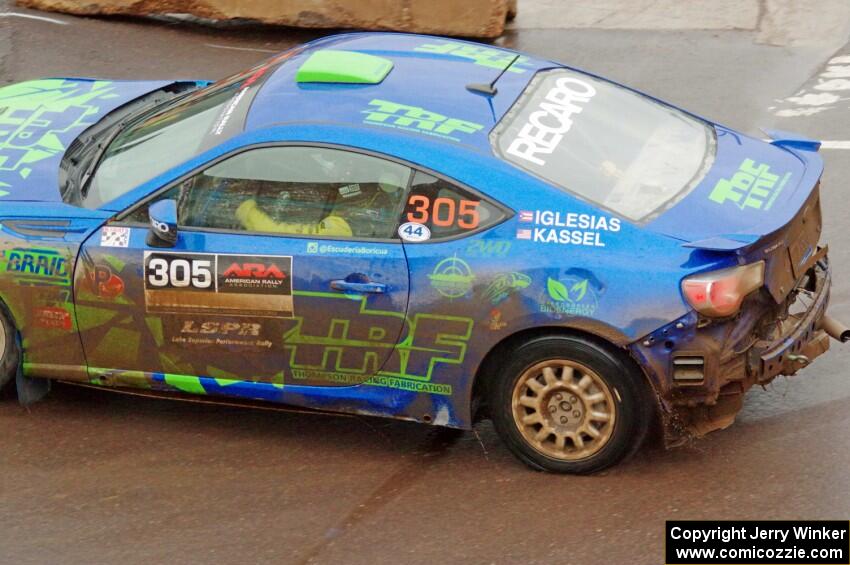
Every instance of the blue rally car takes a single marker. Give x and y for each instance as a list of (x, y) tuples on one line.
[(413, 227)]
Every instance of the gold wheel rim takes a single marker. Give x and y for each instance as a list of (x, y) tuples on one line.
[(564, 410)]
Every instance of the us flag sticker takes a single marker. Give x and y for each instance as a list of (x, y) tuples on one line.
[(523, 234), (526, 216)]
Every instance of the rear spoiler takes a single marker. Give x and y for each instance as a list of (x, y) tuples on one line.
[(738, 241), (734, 242), (791, 140)]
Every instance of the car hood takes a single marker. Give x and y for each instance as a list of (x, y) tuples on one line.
[(38, 121), (753, 188)]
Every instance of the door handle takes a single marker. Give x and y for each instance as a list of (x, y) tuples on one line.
[(347, 286)]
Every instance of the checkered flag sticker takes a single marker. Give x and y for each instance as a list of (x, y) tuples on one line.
[(112, 236)]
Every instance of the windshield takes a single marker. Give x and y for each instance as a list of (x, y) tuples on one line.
[(614, 147), (169, 136)]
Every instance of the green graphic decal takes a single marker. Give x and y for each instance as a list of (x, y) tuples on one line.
[(344, 342), (752, 186), (488, 248), (413, 118), (185, 383), (484, 56), (570, 295), (428, 340), (34, 113), (378, 380), (505, 285), (120, 344), (452, 277), (36, 266), (89, 317)]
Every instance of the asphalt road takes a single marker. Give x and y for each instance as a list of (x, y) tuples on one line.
[(95, 477)]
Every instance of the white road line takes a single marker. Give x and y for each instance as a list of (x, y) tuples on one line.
[(835, 144), (31, 17), (241, 48)]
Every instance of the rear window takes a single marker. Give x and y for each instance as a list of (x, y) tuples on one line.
[(604, 143)]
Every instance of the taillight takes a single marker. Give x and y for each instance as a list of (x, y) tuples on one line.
[(720, 293)]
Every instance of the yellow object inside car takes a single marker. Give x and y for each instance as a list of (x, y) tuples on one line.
[(254, 219)]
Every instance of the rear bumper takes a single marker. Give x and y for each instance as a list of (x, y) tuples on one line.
[(702, 378), (801, 339)]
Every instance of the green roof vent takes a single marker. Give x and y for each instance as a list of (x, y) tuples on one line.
[(350, 67)]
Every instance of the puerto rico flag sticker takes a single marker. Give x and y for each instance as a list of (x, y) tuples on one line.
[(526, 216)]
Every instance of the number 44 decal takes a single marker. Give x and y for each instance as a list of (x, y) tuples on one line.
[(411, 231)]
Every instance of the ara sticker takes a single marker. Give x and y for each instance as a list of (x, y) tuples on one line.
[(411, 231), (114, 236), (258, 286)]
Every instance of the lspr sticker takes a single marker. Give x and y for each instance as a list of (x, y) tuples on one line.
[(413, 232)]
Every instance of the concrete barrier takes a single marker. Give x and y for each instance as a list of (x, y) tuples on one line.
[(470, 18)]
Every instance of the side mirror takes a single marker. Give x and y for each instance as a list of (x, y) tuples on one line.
[(163, 219)]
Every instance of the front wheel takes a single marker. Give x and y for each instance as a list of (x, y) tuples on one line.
[(10, 354), (566, 404)]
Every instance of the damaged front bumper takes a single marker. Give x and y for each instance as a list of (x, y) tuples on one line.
[(702, 368)]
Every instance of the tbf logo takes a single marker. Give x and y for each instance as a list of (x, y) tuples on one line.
[(402, 115), (752, 186)]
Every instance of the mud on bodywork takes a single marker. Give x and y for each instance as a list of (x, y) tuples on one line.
[(702, 367), (35, 286)]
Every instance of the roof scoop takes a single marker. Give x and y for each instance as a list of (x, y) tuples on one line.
[(343, 67)]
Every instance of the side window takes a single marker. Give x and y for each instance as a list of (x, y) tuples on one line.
[(446, 209), (295, 191)]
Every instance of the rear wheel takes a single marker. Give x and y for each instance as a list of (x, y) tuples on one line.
[(566, 404)]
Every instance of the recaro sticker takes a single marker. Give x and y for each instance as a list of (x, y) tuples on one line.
[(413, 232), (225, 284), (547, 124)]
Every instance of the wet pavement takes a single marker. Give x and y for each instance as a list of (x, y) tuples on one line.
[(95, 477)]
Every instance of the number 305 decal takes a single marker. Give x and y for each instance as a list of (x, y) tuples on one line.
[(178, 271), (444, 212)]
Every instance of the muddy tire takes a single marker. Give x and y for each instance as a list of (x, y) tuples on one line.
[(10, 355), (567, 404)]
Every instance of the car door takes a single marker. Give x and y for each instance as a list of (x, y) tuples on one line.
[(286, 270)]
